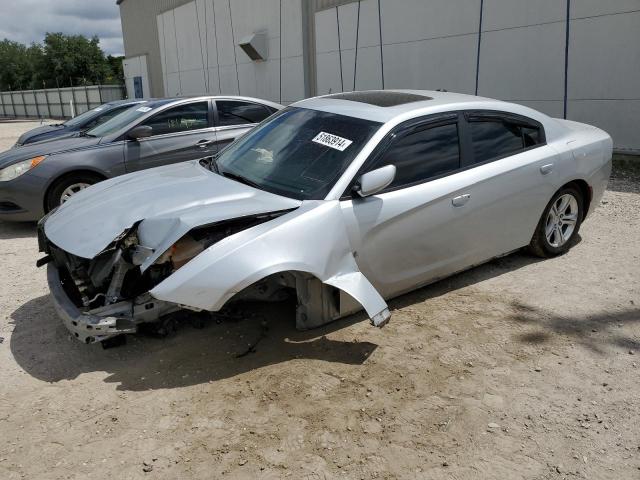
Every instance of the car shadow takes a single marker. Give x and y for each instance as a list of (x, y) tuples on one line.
[(266, 335), (491, 269), (9, 230)]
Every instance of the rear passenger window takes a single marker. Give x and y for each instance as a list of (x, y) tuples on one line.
[(498, 138), (423, 154), (531, 136), (493, 139), (240, 113)]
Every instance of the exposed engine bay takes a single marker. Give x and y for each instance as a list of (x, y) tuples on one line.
[(111, 291), (112, 286)]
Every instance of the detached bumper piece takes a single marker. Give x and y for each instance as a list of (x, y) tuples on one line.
[(106, 322)]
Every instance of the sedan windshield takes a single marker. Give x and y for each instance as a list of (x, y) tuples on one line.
[(86, 117), (119, 121), (298, 153)]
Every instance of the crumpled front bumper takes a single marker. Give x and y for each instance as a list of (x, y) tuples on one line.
[(85, 327)]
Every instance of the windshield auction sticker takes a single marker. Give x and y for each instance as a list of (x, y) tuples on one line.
[(144, 109), (332, 141)]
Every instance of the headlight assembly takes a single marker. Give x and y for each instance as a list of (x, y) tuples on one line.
[(17, 169)]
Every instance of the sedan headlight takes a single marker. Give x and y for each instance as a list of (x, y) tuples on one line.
[(17, 169)]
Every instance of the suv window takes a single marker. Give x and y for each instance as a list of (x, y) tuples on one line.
[(423, 154), (498, 138), (191, 116), (231, 112)]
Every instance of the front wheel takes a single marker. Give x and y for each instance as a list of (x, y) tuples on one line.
[(66, 187), (558, 227)]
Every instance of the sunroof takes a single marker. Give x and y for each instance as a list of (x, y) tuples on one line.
[(381, 98)]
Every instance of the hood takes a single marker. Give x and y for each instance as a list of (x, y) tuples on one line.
[(51, 147), (43, 133), (169, 201)]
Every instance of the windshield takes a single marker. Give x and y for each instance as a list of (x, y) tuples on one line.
[(298, 153), (119, 121), (87, 116)]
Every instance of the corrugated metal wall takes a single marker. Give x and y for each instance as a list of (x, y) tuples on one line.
[(579, 58), (324, 4), (140, 32), (201, 54)]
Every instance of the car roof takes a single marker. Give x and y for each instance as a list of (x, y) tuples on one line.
[(386, 105), (158, 102), (131, 101)]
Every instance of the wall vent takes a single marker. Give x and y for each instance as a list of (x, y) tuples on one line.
[(255, 46)]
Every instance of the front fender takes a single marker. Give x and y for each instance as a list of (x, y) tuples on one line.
[(311, 239)]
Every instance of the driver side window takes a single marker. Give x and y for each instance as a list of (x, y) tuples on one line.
[(421, 154), (191, 116)]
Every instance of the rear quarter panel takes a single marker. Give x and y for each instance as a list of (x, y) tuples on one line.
[(585, 154)]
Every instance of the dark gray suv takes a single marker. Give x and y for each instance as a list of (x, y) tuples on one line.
[(37, 178)]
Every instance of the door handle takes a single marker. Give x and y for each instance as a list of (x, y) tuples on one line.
[(204, 143), (460, 200), (546, 169)]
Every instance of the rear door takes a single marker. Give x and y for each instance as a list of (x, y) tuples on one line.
[(511, 167), (236, 117), (180, 133)]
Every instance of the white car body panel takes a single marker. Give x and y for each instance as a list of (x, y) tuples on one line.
[(171, 200), (370, 248), (311, 239)]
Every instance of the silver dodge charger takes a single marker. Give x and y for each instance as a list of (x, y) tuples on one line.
[(345, 201)]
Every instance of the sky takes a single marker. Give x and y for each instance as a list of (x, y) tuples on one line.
[(27, 21)]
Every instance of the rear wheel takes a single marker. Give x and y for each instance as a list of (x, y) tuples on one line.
[(66, 187), (558, 227)]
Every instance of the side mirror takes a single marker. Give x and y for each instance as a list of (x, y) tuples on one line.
[(375, 181), (141, 131)]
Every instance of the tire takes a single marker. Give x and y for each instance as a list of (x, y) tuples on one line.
[(60, 190), (557, 230)]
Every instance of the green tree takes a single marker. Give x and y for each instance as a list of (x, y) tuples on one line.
[(74, 59), (116, 71), (62, 61), (18, 65)]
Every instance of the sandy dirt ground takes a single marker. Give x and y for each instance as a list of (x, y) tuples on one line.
[(516, 369)]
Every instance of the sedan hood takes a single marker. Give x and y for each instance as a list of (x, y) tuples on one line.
[(43, 130), (168, 201), (58, 145)]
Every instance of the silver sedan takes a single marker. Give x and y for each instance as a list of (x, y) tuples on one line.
[(345, 201)]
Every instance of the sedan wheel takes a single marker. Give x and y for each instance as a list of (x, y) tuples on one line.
[(66, 187), (558, 228), (561, 220), (72, 190)]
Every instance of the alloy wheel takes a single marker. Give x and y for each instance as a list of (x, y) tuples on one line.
[(561, 220), (71, 190)]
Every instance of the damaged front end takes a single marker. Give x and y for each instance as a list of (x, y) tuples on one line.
[(108, 295)]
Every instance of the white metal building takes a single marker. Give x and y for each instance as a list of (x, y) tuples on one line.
[(578, 59)]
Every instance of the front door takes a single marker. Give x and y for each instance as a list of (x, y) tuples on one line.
[(180, 133), (410, 232)]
